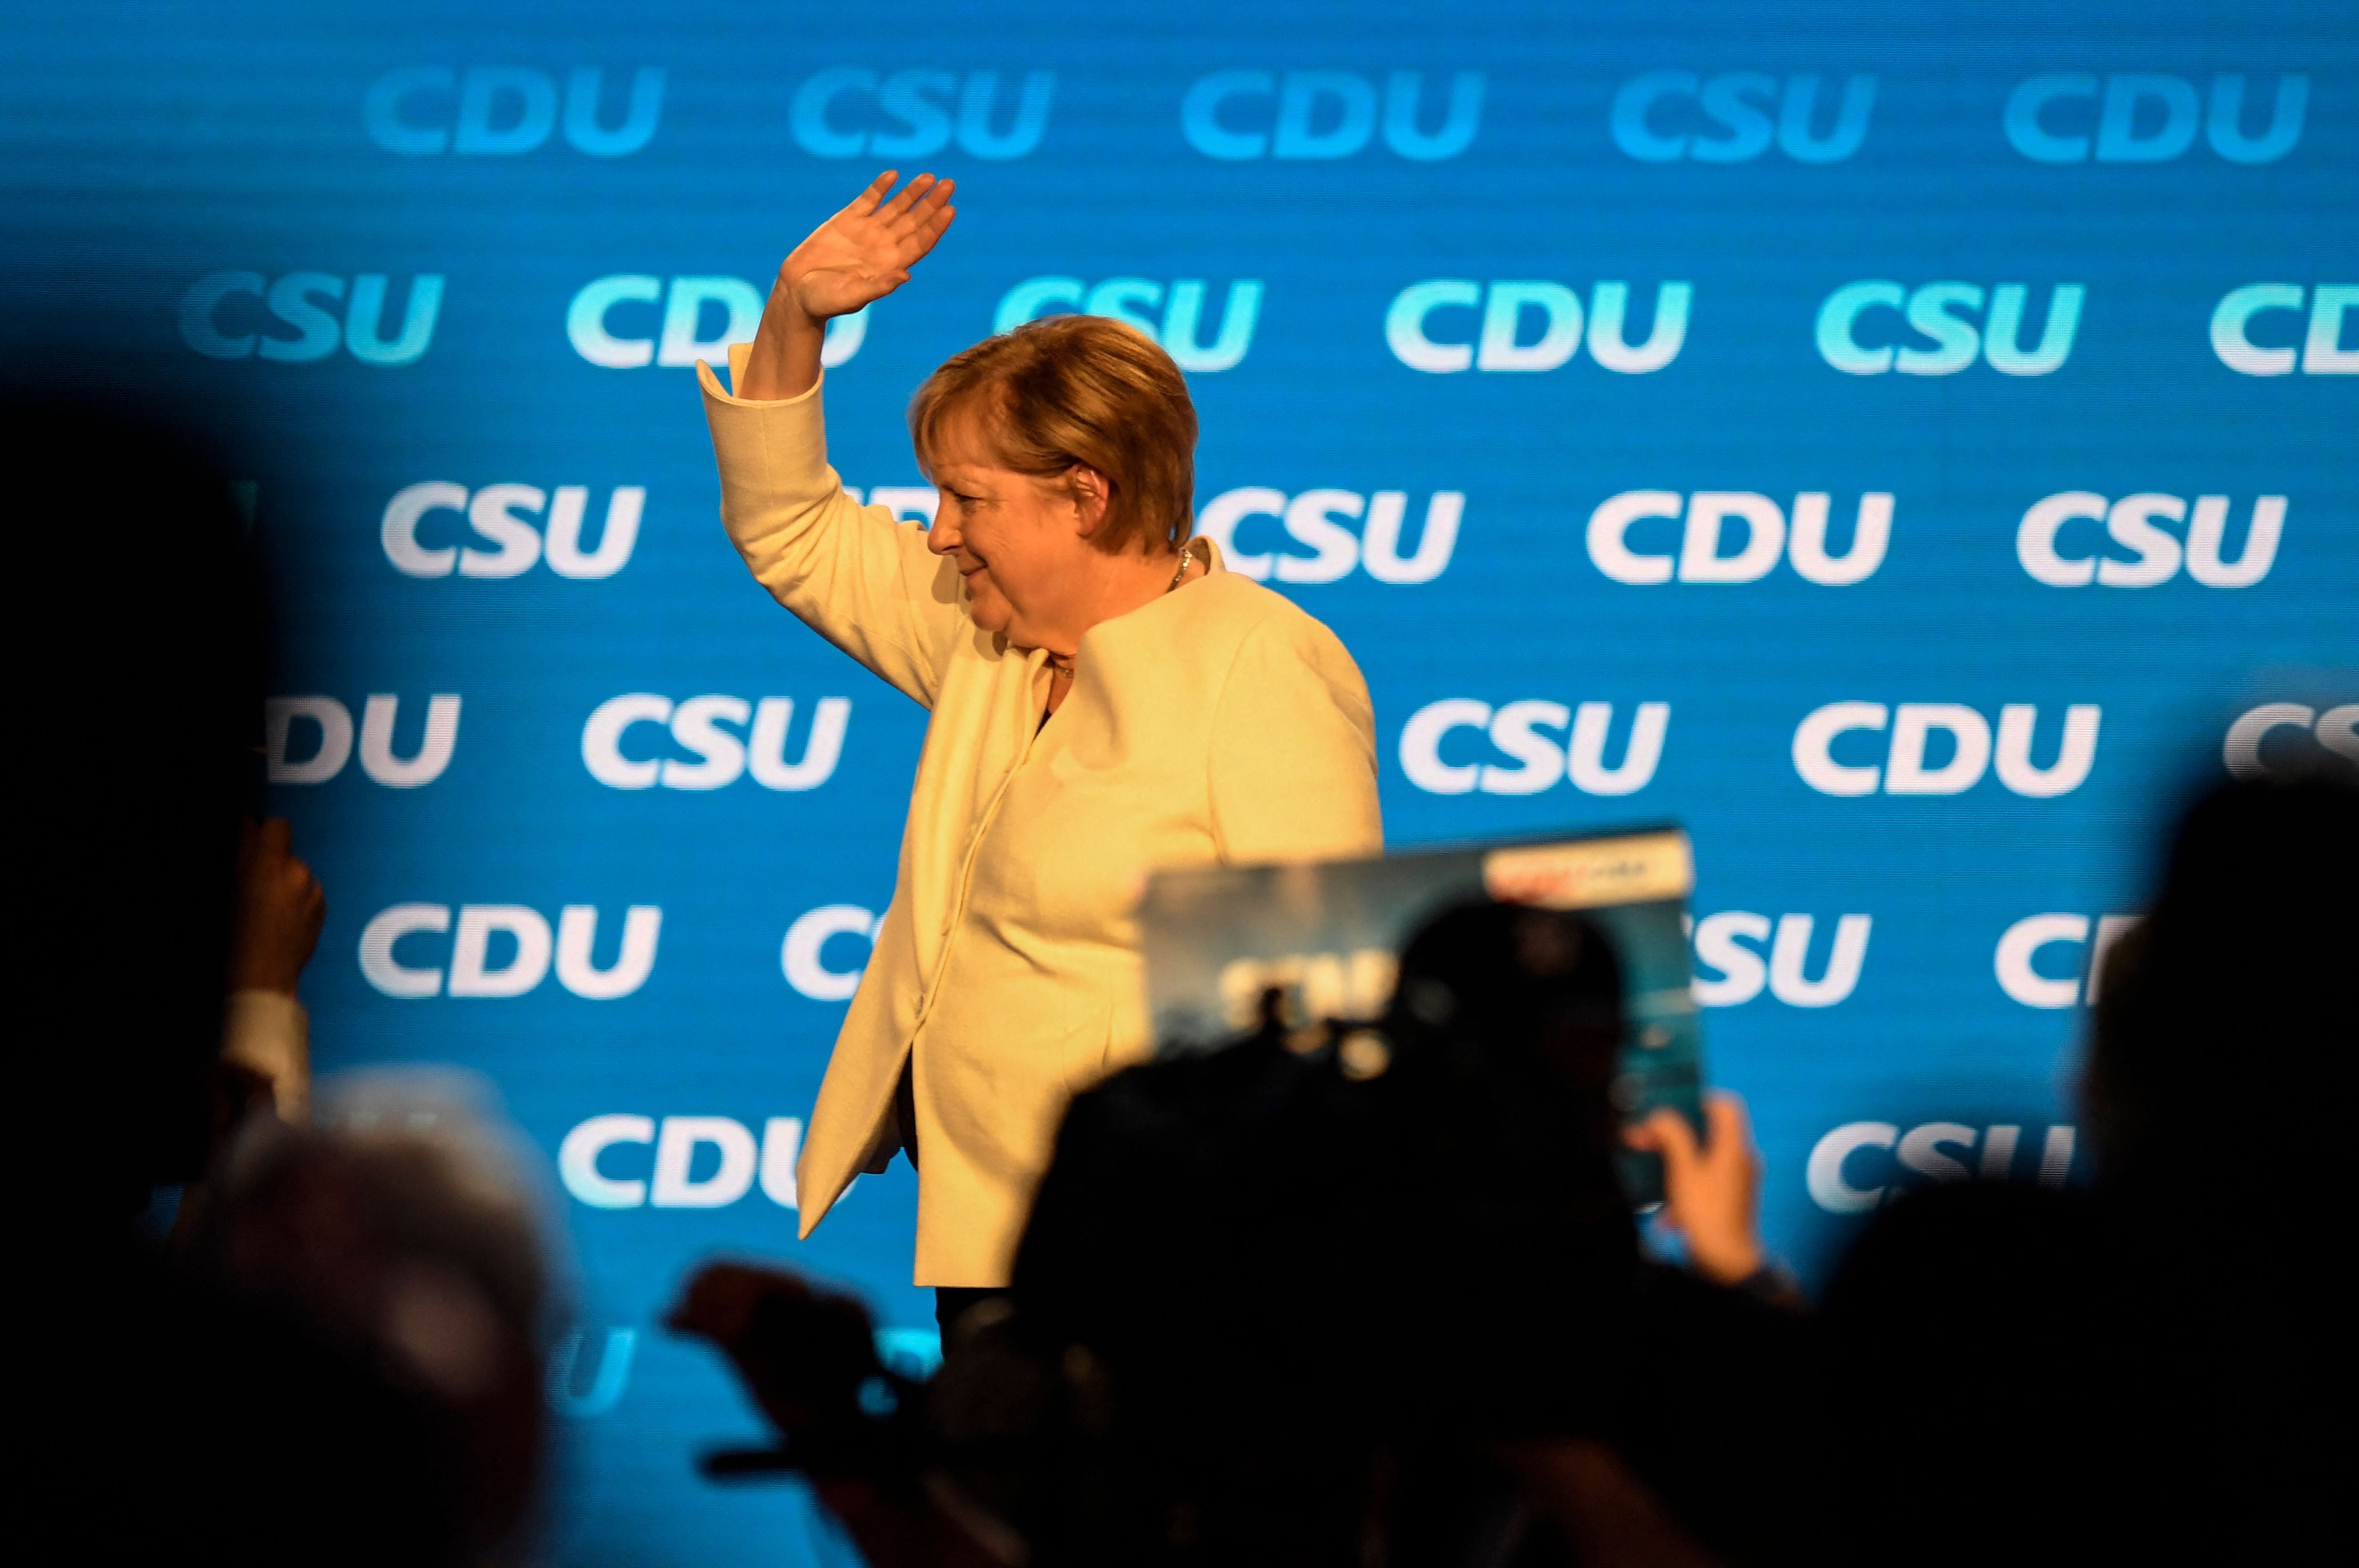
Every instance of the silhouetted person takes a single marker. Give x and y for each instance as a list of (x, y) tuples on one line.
[(1335, 1296), (136, 675), (169, 1412), (2143, 1371), (408, 1231)]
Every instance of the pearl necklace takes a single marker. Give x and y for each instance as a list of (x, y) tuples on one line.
[(1064, 670)]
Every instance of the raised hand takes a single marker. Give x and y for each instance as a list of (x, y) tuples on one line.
[(279, 910), (865, 252), (861, 255), (1712, 1189)]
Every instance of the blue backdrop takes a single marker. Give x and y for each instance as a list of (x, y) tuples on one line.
[(1900, 443)]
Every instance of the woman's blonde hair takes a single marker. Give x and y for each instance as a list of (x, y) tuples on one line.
[(1077, 389)]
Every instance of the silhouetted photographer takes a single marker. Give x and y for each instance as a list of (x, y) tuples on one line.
[(1321, 1295)]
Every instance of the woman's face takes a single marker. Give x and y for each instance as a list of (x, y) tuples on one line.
[(1018, 541)]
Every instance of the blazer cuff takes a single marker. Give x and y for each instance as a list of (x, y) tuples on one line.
[(738, 354), (771, 455)]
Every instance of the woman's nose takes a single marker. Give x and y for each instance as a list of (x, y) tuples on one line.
[(943, 537)]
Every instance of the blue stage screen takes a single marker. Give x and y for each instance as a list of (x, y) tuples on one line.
[(1907, 445)]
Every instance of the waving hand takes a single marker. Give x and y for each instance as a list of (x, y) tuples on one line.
[(857, 256), (865, 252)]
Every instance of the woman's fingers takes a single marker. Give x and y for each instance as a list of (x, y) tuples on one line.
[(929, 214), (920, 240), (916, 231), (917, 205), (865, 202), (871, 243), (906, 199), (915, 220)]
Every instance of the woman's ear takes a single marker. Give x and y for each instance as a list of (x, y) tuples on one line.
[(1091, 494)]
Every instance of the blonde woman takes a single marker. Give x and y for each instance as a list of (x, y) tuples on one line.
[(1104, 697)]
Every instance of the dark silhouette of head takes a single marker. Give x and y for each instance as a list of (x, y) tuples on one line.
[(1288, 1255), (2181, 1310), (138, 666), (2221, 1065)]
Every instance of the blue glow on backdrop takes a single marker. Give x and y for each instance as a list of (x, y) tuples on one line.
[(1898, 443)]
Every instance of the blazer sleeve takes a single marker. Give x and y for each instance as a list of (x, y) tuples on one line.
[(853, 574), (1293, 764)]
